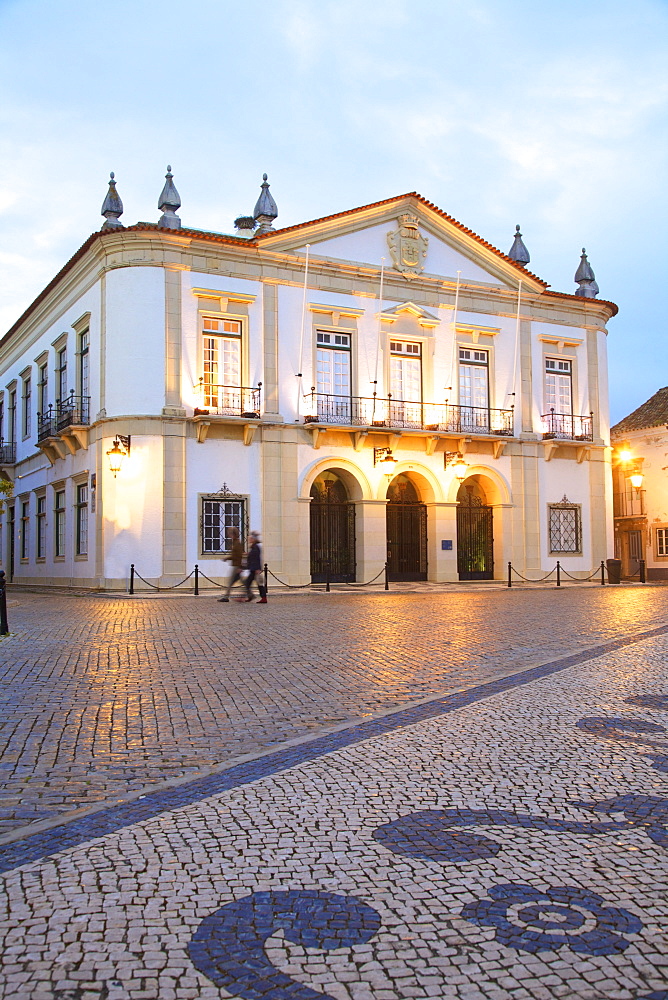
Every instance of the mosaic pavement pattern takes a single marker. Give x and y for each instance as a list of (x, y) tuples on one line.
[(512, 844), (101, 697)]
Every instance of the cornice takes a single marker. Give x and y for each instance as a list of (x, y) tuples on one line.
[(105, 250)]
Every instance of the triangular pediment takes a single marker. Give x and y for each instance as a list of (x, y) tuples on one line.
[(423, 316), (413, 237)]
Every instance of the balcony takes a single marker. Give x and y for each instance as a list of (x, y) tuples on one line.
[(240, 402), (631, 503), (378, 412), (73, 411), (229, 400), (7, 452), (567, 427)]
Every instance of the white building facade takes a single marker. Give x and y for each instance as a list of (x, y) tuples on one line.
[(640, 456), (379, 386)]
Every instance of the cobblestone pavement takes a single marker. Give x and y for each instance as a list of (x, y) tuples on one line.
[(507, 842), (107, 697)]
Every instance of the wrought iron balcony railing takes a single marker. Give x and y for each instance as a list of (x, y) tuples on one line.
[(377, 411), (68, 412), (629, 504), (7, 452), (567, 427), (229, 400)]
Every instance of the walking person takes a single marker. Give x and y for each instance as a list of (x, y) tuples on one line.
[(235, 557), (254, 566)]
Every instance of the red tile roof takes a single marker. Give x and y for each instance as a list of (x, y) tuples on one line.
[(402, 197), (258, 239), (653, 413)]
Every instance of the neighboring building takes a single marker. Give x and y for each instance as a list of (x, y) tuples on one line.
[(640, 448), (444, 410)]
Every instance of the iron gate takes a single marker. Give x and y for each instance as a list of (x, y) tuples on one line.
[(332, 541), (475, 540), (406, 541)]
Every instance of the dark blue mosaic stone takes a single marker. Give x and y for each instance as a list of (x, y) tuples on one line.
[(554, 917), (113, 818), (228, 946)]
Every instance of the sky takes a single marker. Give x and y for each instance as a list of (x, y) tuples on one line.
[(552, 116)]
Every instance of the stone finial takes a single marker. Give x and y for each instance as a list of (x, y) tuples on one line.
[(244, 227), (266, 209), (585, 278), (112, 206), (168, 202), (518, 252)]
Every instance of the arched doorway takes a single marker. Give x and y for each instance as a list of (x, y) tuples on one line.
[(406, 531), (332, 518), (475, 535)]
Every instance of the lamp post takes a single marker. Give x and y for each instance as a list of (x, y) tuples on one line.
[(456, 461), (384, 458), (118, 451)]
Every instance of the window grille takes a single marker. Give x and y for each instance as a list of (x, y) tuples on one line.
[(662, 541), (565, 526), (220, 512)]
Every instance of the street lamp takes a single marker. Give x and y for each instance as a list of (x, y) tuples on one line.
[(384, 458), (456, 461), (636, 478), (118, 451)]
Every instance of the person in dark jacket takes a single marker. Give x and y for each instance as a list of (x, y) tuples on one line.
[(236, 557), (254, 567)]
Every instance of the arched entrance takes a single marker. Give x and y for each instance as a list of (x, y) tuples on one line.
[(332, 518), (406, 531), (475, 535)]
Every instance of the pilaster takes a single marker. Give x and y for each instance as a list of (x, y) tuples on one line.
[(270, 340), (173, 338), (174, 499)]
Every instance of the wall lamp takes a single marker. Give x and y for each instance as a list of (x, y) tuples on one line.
[(384, 457), (456, 461), (118, 451), (636, 479)]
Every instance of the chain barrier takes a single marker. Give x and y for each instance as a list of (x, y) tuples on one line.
[(290, 586), (368, 582), (303, 586), (134, 573), (526, 578), (221, 586), (581, 579)]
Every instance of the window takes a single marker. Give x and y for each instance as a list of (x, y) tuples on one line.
[(61, 374), (333, 365), (2, 420), (82, 519), (222, 357), (565, 527), (662, 541), (558, 385), (27, 405), (43, 389), (473, 378), (406, 371), (25, 528), (59, 534), (41, 527), (12, 417), (220, 513), (84, 362)]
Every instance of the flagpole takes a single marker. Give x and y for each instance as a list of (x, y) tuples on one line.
[(301, 336)]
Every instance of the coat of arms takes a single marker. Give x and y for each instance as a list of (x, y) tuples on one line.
[(408, 246)]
